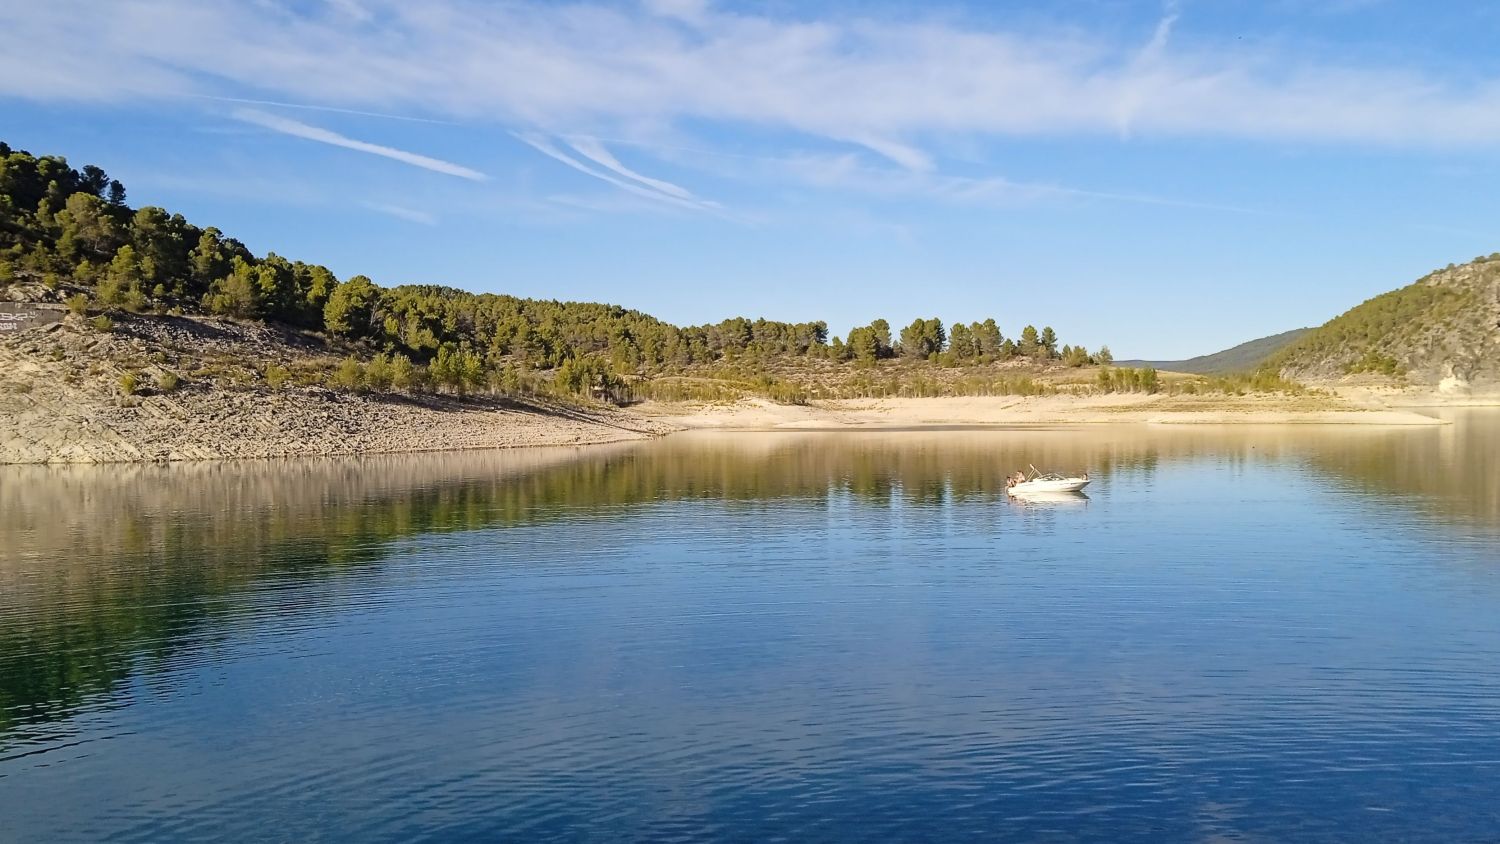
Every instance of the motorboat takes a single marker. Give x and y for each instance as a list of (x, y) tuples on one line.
[(1025, 483)]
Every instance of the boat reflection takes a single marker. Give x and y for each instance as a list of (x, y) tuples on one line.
[(1049, 499)]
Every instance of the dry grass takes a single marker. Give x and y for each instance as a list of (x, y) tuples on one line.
[(799, 380)]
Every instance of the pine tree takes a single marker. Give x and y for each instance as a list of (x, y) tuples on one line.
[(1030, 346), (403, 374), (236, 294), (987, 339), (1048, 342), (350, 307)]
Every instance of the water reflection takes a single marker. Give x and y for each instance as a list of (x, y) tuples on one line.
[(1451, 472), (103, 564), (1050, 499), (110, 576)]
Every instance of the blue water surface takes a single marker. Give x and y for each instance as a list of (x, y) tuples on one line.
[(1246, 634)]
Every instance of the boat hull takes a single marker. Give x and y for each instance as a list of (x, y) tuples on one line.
[(1064, 485)]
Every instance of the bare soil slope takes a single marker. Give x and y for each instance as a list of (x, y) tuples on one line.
[(62, 400)]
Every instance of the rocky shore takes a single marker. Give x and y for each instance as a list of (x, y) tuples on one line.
[(62, 401)]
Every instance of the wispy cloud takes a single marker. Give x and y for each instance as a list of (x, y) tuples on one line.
[(297, 129), (1144, 69), (886, 83), (351, 9), (328, 109), (594, 150), (682, 198), (850, 172), (411, 215), (907, 156)]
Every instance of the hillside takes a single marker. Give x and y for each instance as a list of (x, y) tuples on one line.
[(1441, 331), (69, 234), (1246, 357), (133, 334), (157, 388)]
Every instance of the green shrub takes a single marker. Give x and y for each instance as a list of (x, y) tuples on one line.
[(379, 374), (78, 303), (404, 376), (103, 323), (1373, 361), (276, 376), (1127, 380), (168, 381), (349, 375), (129, 383)]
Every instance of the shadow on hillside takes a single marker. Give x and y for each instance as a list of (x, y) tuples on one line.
[(469, 404), (249, 338), (158, 327)]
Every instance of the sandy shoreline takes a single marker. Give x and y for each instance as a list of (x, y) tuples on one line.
[(39, 427), (1015, 411)]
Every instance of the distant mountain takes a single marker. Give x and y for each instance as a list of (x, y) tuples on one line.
[(1442, 330), (1242, 358)]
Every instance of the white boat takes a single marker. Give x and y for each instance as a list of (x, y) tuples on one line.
[(1022, 483)]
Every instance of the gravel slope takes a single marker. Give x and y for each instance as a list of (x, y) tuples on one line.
[(61, 401)]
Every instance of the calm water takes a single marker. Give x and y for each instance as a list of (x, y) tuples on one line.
[(1258, 634)]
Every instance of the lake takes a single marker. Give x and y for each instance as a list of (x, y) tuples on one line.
[(1241, 634)]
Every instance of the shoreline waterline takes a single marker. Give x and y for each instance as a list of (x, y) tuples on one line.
[(373, 433)]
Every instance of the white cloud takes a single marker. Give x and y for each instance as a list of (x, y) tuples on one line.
[(297, 129), (593, 150), (907, 156), (890, 85), (1143, 70), (849, 172), (352, 10), (682, 199), (306, 107)]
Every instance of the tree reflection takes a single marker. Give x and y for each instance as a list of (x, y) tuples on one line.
[(105, 569)]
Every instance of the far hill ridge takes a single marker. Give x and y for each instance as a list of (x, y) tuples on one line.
[(1245, 357), (1443, 330)]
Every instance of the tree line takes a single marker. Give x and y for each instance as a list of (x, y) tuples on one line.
[(67, 227), (981, 342)]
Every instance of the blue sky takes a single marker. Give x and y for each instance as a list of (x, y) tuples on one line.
[(1165, 178)]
